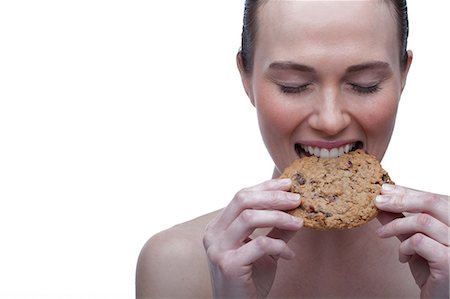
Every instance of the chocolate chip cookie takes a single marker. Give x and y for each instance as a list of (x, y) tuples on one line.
[(336, 193)]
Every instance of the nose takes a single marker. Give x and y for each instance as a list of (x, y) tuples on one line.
[(330, 115)]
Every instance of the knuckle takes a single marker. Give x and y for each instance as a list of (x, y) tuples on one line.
[(430, 199), (247, 216), (207, 239), (417, 239), (212, 255), (274, 196), (424, 219), (398, 202), (218, 257), (261, 242), (393, 226), (245, 190), (209, 234), (209, 227), (225, 265), (241, 198), (279, 198)]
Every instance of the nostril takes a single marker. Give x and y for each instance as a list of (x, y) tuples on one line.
[(329, 121)]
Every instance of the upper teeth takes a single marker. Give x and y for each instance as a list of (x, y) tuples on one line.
[(328, 153)]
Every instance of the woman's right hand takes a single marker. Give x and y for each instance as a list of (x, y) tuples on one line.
[(241, 267)]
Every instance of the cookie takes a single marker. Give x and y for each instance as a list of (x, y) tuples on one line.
[(336, 193)]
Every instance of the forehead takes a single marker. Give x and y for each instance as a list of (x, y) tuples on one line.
[(292, 30)]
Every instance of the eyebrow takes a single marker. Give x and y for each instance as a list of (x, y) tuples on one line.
[(373, 65), (287, 65)]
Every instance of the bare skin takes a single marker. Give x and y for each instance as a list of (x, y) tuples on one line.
[(335, 268), (324, 81), (337, 264)]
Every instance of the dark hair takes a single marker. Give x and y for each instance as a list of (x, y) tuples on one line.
[(250, 27)]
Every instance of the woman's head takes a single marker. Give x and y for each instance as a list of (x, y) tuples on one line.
[(324, 75), (399, 11)]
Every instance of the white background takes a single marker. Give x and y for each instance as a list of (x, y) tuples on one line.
[(119, 119)]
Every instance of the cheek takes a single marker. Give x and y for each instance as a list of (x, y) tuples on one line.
[(378, 122), (274, 118), (277, 117)]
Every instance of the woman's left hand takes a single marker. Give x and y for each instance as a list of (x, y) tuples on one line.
[(424, 235)]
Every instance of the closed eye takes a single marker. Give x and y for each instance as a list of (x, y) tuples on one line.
[(294, 89), (365, 89)]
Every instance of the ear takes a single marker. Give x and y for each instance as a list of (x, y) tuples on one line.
[(407, 66), (245, 77)]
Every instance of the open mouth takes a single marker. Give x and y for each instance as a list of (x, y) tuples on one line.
[(306, 150)]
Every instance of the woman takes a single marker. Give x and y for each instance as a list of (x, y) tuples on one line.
[(323, 74)]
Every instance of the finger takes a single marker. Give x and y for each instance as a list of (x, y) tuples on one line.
[(386, 217), (434, 252), (422, 223), (273, 184), (399, 199), (282, 234), (260, 247), (264, 200), (249, 220)]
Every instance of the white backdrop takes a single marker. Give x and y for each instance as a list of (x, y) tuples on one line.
[(119, 119)]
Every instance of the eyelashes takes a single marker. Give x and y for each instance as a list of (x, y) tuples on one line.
[(365, 89), (293, 89), (359, 89)]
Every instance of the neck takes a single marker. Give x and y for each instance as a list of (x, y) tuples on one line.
[(276, 173), (336, 243)]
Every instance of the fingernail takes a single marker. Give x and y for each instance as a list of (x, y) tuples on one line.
[(388, 187), (286, 181), (297, 220), (381, 199), (379, 231), (290, 255), (295, 197)]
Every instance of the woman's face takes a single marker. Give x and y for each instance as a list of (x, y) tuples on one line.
[(326, 77)]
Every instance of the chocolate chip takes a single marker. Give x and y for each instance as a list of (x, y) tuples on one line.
[(311, 215), (332, 198), (349, 164), (309, 209), (300, 179)]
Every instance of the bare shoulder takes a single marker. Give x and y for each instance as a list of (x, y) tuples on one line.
[(172, 264)]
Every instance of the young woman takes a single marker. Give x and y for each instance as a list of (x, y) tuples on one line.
[(325, 74)]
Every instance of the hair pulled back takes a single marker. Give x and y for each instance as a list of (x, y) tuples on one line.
[(250, 28)]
